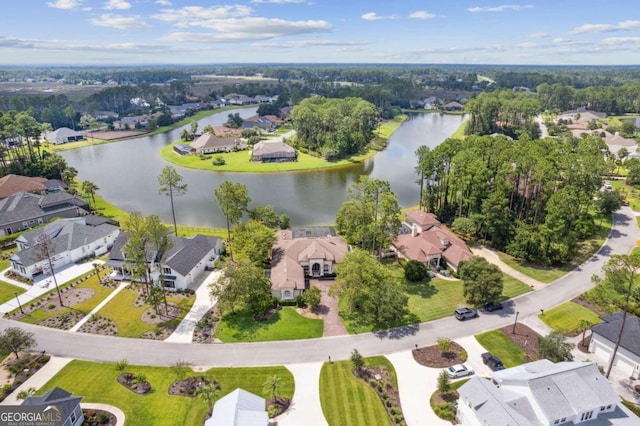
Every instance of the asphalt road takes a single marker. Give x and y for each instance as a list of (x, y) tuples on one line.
[(623, 237)]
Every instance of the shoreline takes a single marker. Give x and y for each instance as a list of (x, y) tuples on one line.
[(237, 161), (164, 129)]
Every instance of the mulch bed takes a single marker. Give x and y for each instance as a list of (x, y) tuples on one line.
[(100, 325), (526, 338), (64, 321), (151, 317), (206, 327), (380, 380), (22, 369), (433, 357), (269, 314), (98, 418), (581, 300), (583, 345), (128, 381), (281, 403), (188, 387)]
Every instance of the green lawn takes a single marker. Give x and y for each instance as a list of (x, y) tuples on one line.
[(431, 300), (347, 401), (241, 161), (8, 291), (286, 324), (566, 317), (96, 382), (99, 293), (501, 346), (4, 257), (128, 318)]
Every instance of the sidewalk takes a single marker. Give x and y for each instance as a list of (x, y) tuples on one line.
[(416, 383), (39, 379), (44, 284), (493, 258), (184, 332), (305, 408), (100, 306)]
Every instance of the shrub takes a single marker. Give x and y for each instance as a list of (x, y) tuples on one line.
[(102, 418), (415, 271), (122, 364), (218, 161), (51, 306), (398, 418), (273, 411)]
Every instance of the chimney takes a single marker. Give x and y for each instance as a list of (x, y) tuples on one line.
[(446, 243), (414, 230)]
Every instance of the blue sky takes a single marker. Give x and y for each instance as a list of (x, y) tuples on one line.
[(109, 32)]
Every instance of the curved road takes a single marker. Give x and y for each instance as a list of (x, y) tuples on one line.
[(623, 237)]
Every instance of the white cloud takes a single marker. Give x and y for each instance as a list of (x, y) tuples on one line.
[(500, 8), (610, 41), (422, 14), (248, 29), (198, 13), (64, 4), (313, 43), (277, 1), (73, 45), (372, 16), (120, 22), (163, 2), (117, 4), (529, 45), (87, 9), (603, 28), (539, 35)]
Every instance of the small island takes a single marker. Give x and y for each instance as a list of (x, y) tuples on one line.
[(315, 141)]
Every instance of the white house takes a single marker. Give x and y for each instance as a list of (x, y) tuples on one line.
[(181, 265), (69, 241), (604, 336), (542, 393), (62, 135), (239, 408)]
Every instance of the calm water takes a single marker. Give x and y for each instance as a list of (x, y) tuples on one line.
[(126, 173)]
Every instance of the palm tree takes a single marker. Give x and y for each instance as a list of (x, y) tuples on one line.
[(90, 188), (208, 393), (583, 326), (272, 385)]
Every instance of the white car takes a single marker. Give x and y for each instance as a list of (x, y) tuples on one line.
[(459, 370)]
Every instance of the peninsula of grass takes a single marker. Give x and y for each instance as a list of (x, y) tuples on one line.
[(286, 324), (501, 346), (9, 291), (187, 120), (97, 383), (429, 300), (347, 401), (566, 317), (99, 294), (240, 161), (128, 318)]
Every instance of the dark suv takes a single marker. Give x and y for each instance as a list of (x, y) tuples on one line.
[(492, 361), (464, 313)]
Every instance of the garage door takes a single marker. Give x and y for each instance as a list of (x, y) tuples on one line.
[(624, 366)]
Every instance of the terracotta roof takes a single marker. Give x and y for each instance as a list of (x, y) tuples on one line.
[(288, 252), (416, 248), (224, 130), (423, 219), (11, 184)]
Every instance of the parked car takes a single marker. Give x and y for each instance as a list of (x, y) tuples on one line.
[(493, 306), (492, 361), (459, 370), (464, 313)]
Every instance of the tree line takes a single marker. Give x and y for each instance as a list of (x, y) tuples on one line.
[(533, 198)]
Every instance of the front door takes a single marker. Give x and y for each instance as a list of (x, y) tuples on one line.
[(315, 270), (636, 372)]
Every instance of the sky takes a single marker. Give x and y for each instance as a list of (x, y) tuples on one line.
[(137, 32)]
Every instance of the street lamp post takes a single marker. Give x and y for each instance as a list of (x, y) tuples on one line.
[(515, 322), (18, 299)]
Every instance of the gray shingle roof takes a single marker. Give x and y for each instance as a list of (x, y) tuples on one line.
[(186, 253), (23, 206), (64, 400), (610, 327), (65, 235)]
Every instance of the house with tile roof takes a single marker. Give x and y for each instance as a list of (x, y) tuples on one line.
[(542, 393), (71, 240), (61, 403), (297, 256), (181, 265), (11, 184), (604, 336), (239, 408), (273, 151), (424, 239), (24, 210)]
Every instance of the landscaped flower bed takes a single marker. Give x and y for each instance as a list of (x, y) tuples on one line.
[(136, 383), (432, 356), (206, 327), (99, 325), (22, 369)]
